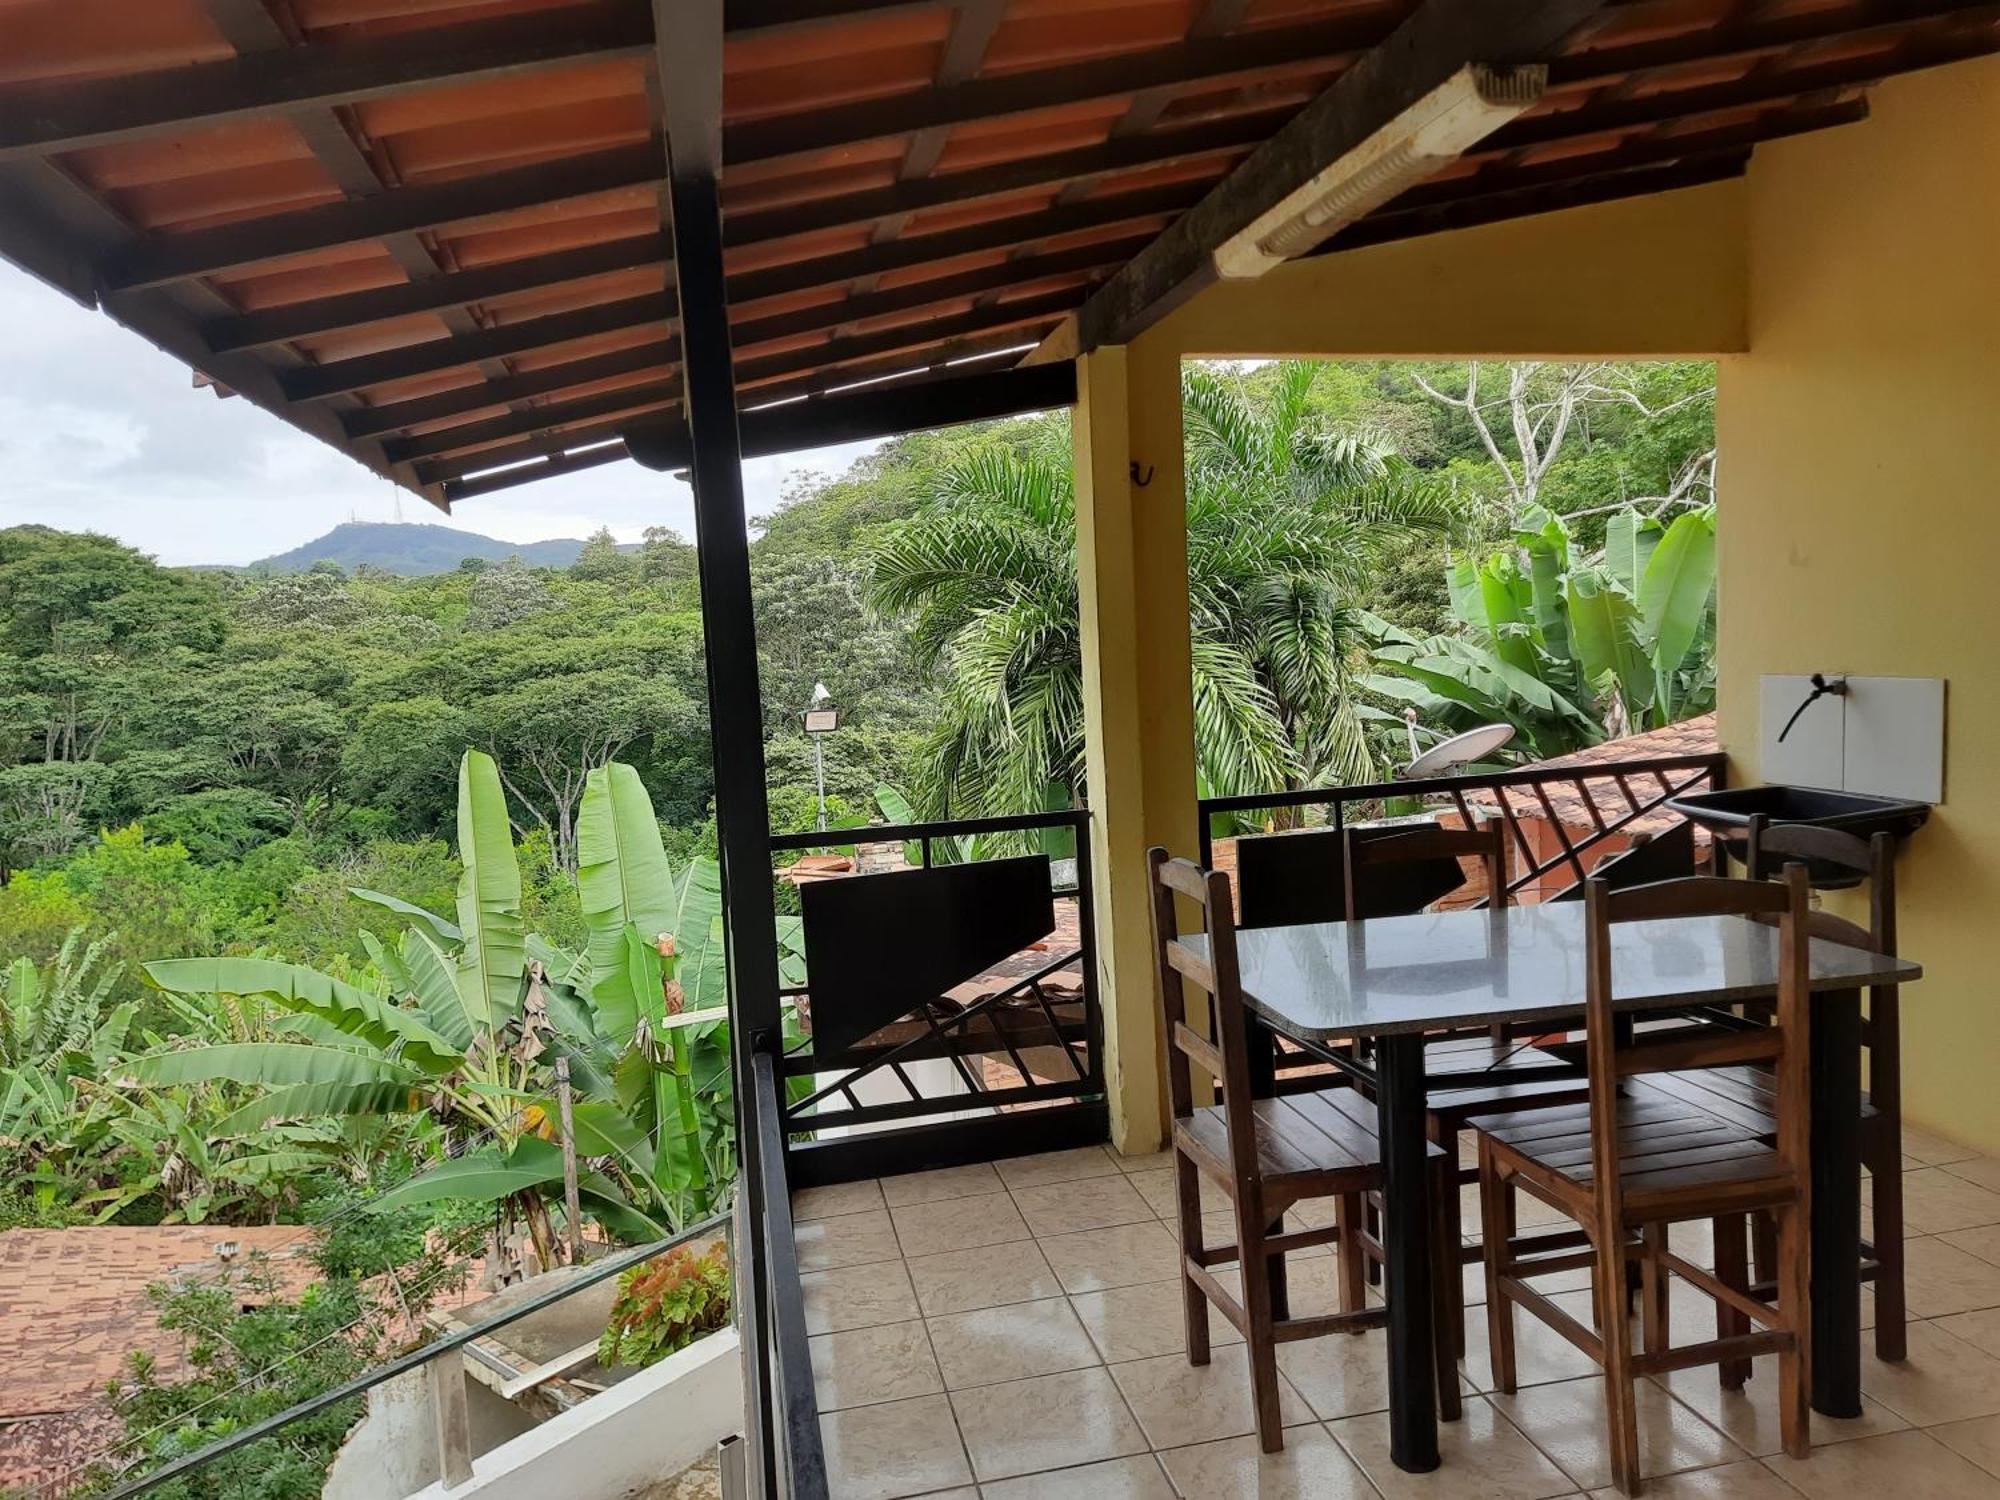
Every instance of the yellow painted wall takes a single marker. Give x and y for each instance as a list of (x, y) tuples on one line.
[(1647, 276), (1859, 446)]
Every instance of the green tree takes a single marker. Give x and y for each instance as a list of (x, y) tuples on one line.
[(1284, 520)]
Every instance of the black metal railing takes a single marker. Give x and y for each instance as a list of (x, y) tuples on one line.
[(783, 1456), (1025, 1057), (1599, 802), (441, 1356)]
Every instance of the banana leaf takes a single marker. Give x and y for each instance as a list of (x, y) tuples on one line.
[(482, 1176), (489, 897), (1629, 540), (624, 881), (303, 1101), (443, 931), (297, 988), (1674, 593), (1605, 626), (273, 1064)]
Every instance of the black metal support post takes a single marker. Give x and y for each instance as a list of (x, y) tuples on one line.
[(1406, 1241), (735, 717), (1836, 1204)]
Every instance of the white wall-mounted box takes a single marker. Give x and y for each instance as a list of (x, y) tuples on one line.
[(1883, 737)]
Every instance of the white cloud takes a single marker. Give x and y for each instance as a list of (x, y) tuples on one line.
[(100, 431)]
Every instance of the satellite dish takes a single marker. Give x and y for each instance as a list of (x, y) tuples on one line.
[(1460, 749)]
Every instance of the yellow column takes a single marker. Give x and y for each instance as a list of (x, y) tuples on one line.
[(1138, 703)]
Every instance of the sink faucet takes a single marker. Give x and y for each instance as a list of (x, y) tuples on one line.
[(1821, 688)]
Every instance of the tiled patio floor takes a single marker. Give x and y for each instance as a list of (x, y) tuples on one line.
[(1014, 1330)]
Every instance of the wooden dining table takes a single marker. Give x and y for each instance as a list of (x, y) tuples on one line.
[(1389, 981)]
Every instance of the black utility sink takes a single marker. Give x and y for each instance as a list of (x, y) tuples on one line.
[(1727, 814)]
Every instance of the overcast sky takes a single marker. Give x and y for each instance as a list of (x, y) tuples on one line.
[(99, 431)]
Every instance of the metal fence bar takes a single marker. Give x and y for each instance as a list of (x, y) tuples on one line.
[(784, 1356)]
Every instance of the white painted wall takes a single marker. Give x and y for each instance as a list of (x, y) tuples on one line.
[(642, 1430)]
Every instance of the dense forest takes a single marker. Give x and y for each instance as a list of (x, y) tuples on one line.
[(304, 880)]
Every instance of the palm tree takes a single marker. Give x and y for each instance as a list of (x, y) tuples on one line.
[(1286, 519)]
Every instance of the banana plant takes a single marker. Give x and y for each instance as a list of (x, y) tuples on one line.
[(1569, 649), (467, 1017)]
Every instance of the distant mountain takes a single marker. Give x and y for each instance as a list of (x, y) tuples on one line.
[(414, 549)]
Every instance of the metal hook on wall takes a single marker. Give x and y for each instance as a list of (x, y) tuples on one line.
[(1141, 480)]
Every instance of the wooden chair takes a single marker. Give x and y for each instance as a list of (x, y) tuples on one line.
[(1746, 1095), (1634, 1160), (1467, 1074), (1266, 1155)]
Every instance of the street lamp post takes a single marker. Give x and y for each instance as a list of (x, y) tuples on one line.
[(821, 719)]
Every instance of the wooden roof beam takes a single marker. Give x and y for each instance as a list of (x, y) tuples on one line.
[(1440, 38), (818, 360), (68, 114)]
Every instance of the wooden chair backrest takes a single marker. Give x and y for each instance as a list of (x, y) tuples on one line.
[(1783, 1044), (1770, 845), (1216, 976), (1486, 842)]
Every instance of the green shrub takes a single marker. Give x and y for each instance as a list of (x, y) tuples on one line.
[(665, 1305)]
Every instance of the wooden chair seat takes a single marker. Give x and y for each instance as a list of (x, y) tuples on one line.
[(1308, 1145), (1669, 1150), (1743, 1096), (1484, 1066)]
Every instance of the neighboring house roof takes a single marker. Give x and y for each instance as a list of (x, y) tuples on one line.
[(75, 1306), (1696, 736)]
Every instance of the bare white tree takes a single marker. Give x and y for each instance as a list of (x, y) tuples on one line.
[(1540, 414)]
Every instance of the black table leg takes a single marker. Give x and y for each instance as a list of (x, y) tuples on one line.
[(1406, 1234), (1836, 1204), (1263, 1057)]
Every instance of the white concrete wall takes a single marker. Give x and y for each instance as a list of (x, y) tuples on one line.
[(640, 1431), (392, 1450)]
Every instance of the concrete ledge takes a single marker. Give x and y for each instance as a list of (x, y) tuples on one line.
[(640, 1431)]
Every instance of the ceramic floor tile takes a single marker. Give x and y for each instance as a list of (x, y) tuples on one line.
[(1120, 1255), (989, 1276), (1894, 1464), (1541, 1355), (1945, 1379), (1980, 1329), (1940, 1278), (946, 1182), (1010, 1343), (1749, 1417), (1138, 1322), (863, 1366), (1049, 1422), (1088, 1203), (1177, 1402), (857, 1297), (839, 1198), (1056, 1166), (1983, 1171), (1312, 1467), (1744, 1481), (1312, 1282), (1480, 1455), (1567, 1422), (1983, 1242), (1135, 1478), (934, 1226), (1933, 1150), (1151, 1161), (1341, 1375), (1978, 1440), (896, 1449), (846, 1240), (1936, 1202)]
